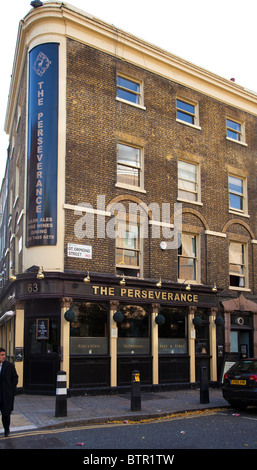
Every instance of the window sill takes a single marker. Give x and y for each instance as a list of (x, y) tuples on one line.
[(237, 142), (131, 188), (128, 266), (196, 203), (242, 214), (243, 289), (185, 282), (130, 103), (188, 124)]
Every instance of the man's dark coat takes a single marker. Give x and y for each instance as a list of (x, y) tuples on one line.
[(9, 383)]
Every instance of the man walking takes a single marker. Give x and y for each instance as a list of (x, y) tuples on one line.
[(8, 383)]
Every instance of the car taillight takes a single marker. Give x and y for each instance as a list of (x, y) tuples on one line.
[(253, 377), (226, 376)]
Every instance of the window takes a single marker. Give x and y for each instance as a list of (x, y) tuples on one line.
[(129, 165), (12, 146), (17, 181), (235, 130), (18, 117), (188, 176), (237, 193), (237, 267), (88, 331), (172, 334), (128, 249), (133, 331), (188, 258), (187, 112), (129, 90)]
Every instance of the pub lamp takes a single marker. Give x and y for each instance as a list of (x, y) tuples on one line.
[(122, 281), (214, 289), (86, 279), (40, 274), (188, 287), (12, 277), (159, 284)]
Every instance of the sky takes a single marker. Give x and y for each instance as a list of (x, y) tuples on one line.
[(219, 36)]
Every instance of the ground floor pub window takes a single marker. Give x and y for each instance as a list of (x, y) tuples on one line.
[(88, 331), (172, 333), (133, 331)]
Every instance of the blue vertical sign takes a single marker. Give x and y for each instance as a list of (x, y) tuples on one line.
[(42, 152)]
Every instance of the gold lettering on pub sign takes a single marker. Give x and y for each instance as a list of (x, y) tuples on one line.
[(146, 294)]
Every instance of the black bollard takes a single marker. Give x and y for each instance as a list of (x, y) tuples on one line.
[(135, 391), (204, 386), (61, 395)]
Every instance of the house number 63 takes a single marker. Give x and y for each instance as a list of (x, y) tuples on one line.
[(33, 287)]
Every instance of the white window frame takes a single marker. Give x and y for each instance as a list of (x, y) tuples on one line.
[(197, 182), (244, 275), (196, 123), (232, 209), (119, 184), (139, 95), (241, 133), (197, 279), (123, 225)]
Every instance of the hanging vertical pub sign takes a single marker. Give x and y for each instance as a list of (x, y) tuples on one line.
[(42, 152)]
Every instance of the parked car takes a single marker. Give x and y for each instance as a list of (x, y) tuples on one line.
[(240, 384)]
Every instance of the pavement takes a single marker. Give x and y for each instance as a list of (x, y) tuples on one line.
[(38, 411)]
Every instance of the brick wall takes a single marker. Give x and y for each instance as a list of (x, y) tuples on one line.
[(96, 121), (17, 177)]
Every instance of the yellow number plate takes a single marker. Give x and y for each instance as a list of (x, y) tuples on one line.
[(238, 382)]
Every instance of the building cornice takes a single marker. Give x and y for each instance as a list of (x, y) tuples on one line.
[(55, 19)]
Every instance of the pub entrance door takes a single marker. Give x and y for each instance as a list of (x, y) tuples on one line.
[(41, 354)]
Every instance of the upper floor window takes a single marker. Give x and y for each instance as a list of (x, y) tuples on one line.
[(129, 165), (128, 253), (187, 112), (237, 193), (18, 117), (129, 90), (237, 264), (188, 257), (188, 181), (235, 130)]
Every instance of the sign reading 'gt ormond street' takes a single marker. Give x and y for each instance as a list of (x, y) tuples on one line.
[(42, 154)]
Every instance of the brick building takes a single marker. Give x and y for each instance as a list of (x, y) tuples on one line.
[(111, 140)]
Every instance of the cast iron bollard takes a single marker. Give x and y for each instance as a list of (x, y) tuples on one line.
[(204, 386), (61, 395), (135, 391)]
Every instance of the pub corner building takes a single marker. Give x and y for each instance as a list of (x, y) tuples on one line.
[(107, 134)]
